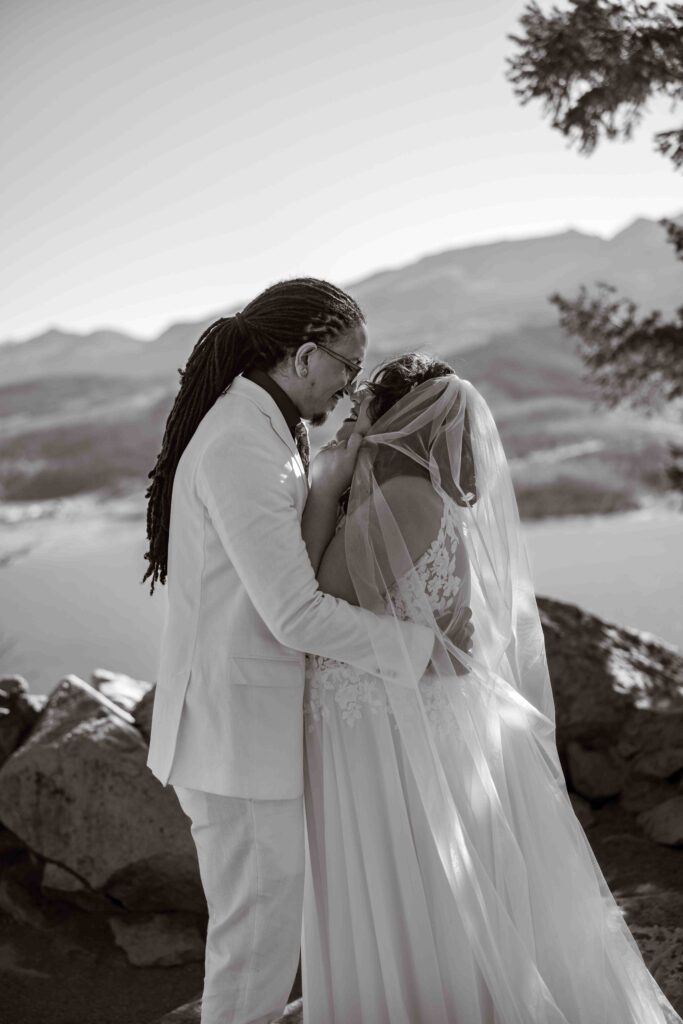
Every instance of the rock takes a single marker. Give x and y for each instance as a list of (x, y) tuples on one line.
[(78, 792), (168, 880), (122, 689), (660, 764), (294, 1014), (652, 731), (664, 823), (60, 880), (12, 685), (143, 714), (20, 897), (190, 1014), (604, 676), (158, 940), (619, 705), (595, 774), (15, 902), (19, 711), (58, 883), (582, 810), (641, 794), (12, 848)]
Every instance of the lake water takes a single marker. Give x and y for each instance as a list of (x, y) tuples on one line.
[(71, 600)]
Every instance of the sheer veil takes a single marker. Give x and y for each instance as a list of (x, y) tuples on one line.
[(546, 932)]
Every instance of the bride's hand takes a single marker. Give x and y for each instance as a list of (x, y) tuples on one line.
[(358, 420), (332, 468)]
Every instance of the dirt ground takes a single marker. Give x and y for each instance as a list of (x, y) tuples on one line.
[(73, 973)]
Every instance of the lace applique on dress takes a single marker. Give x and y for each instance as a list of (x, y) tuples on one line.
[(355, 693)]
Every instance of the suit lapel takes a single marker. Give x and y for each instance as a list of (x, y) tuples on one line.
[(247, 389)]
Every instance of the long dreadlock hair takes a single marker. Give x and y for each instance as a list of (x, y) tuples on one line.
[(269, 328)]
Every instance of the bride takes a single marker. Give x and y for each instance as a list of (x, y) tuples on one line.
[(448, 880)]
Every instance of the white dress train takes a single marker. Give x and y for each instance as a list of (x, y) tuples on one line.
[(384, 940)]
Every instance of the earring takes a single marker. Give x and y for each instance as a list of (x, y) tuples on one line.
[(304, 372)]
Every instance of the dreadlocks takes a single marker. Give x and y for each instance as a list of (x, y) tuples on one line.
[(269, 328)]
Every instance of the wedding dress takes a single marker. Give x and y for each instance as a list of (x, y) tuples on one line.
[(448, 880)]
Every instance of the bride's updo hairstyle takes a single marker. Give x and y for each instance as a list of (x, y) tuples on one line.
[(269, 329), (394, 379), (389, 384)]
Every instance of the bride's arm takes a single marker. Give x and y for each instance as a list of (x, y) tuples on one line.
[(318, 521), (333, 572), (327, 484)]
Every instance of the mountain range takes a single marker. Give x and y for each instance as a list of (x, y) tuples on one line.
[(89, 409), (445, 302)]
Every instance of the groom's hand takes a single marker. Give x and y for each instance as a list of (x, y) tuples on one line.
[(459, 632)]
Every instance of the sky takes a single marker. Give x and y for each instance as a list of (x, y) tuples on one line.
[(165, 160)]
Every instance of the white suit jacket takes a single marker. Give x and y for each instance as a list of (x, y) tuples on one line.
[(243, 607)]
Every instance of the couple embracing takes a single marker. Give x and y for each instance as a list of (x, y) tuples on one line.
[(353, 702)]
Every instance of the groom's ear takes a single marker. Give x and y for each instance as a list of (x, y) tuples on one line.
[(302, 357)]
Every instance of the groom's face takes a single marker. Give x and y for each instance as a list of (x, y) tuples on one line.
[(329, 377)]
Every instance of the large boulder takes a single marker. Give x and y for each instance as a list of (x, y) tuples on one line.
[(644, 794), (619, 714), (19, 712), (123, 690), (604, 677), (664, 823), (595, 774), (142, 713), (78, 793), (158, 940)]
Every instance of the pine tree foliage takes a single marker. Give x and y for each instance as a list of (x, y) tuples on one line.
[(594, 66)]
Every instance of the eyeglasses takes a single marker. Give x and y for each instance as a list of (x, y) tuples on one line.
[(355, 368)]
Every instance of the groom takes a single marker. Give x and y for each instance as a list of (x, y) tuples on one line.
[(243, 607)]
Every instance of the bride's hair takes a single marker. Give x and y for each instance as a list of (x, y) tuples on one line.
[(390, 382), (269, 328), (395, 378)]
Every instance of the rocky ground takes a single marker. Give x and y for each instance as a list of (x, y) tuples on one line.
[(102, 919)]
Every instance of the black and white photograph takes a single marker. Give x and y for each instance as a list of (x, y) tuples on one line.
[(341, 512)]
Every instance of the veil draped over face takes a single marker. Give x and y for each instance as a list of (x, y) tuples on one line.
[(546, 932)]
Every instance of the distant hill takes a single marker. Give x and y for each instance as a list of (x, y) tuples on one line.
[(82, 412), (446, 302), (461, 298)]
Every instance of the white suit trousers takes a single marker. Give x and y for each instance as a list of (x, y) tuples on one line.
[(251, 863)]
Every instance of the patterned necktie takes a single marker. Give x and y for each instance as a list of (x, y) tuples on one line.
[(301, 438)]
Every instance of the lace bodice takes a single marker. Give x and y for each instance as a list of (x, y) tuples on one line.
[(440, 574)]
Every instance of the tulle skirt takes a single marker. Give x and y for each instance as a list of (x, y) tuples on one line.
[(392, 936)]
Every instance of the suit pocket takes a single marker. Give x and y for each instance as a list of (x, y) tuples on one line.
[(267, 672)]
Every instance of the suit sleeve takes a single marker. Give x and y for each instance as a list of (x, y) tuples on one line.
[(248, 487)]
